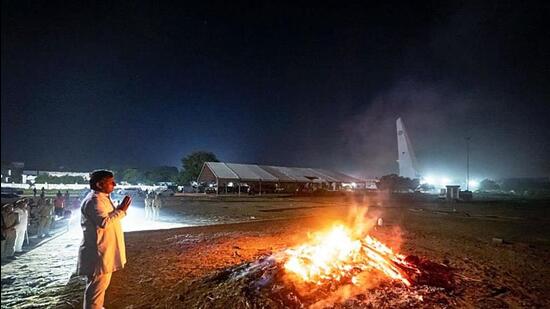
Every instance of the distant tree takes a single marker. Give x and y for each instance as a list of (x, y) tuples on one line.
[(42, 178), (525, 184), (413, 184), (66, 179), (426, 187), (488, 185), (133, 176), (396, 183), (162, 174), (192, 165)]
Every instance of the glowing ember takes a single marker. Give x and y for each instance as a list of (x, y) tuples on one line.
[(338, 255)]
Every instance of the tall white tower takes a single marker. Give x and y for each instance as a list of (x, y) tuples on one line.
[(406, 158)]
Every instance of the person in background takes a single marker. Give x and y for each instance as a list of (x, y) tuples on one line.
[(34, 192), (59, 204), (46, 215), (157, 205), (42, 193), (148, 205), (102, 251), (21, 208), (10, 220), (33, 216), (66, 198), (51, 225)]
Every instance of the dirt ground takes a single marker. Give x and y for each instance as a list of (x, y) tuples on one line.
[(173, 268), (164, 267)]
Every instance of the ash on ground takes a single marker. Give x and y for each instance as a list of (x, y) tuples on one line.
[(263, 284)]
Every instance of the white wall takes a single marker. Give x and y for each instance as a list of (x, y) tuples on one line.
[(51, 186)]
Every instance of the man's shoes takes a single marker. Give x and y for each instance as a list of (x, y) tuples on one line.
[(17, 253), (12, 258)]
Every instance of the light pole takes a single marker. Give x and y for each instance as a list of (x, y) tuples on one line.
[(468, 163)]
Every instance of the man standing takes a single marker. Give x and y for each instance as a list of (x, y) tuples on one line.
[(66, 199), (11, 221), (46, 217), (21, 208), (59, 204), (148, 202), (102, 251), (157, 205)]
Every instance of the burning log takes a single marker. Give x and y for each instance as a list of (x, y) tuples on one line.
[(306, 275), (429, 273), (337, 255)]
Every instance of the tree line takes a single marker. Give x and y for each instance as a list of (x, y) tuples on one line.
[(192, 163), (191, 166)]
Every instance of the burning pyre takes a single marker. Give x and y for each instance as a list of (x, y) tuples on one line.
[(337, 256), (333, 267)]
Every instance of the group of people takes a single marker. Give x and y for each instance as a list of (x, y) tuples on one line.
[(102, 250), (62, 201), (16, 219), (14, 228), (28, 217), (153, 204)]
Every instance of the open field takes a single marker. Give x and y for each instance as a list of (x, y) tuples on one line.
[(514, 274), (174, 268)]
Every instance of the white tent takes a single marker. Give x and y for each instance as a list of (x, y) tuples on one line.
[(221, 174)]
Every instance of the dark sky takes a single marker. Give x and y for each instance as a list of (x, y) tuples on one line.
[(140, 84)]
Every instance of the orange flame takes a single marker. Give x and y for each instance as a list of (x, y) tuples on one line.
[(336, 255)]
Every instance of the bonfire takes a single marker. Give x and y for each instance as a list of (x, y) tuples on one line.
[(338, 256), (333, 266)]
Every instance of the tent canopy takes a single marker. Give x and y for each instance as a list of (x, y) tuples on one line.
[(219, 171)]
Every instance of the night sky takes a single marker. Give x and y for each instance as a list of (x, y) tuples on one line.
[(142, 84)]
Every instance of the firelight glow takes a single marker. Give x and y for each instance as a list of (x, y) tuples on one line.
[(337, 255)]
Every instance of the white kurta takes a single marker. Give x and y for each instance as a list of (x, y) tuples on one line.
[(21, 228), (102, 249)]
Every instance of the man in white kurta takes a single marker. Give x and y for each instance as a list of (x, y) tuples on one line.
[(148, 205), (157, 205), (102, 251), (21, 207), (46, 215), (11, 221)]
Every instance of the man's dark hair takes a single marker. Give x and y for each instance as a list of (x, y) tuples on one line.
[(97, 176)]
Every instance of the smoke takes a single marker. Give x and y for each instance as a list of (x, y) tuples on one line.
[(428, 112), (479, 72), (438, 118)]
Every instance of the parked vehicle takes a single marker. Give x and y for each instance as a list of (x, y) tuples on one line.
[(12, 190), (132, 192), (210, 190), (9, 198), (167, 192)]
